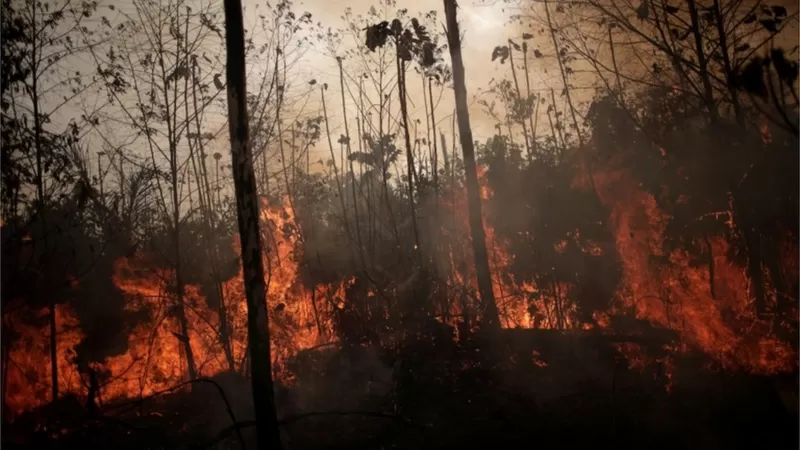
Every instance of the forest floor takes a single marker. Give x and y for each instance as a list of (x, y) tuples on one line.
[(457, 399)]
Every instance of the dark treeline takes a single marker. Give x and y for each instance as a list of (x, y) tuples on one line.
[(615, 265)]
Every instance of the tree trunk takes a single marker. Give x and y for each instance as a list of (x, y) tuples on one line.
[(753, 244), (5, 344), (173, 137), (53, 350), (181, 313), (490, 314), (338, 180), (435, 149), (401, 91), (352, 173), (247, 211), (204, 191), (519, 98), (444, 153), (587, 158), (531, 122), (702, 62), (724, 49), (37, 138)]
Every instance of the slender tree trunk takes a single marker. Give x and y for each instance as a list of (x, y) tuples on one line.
[(533, 124), (620, 97), (508, 124), (279, 124), (519, 98), (556, 127), (179, 286), (5, 343), (203, 198), (702, 62), (401, 83), (444, 153), (435, 148), (565, 80), (453, 163), (338, 179), (247, 211), (726, 61), (361, 125), (427, 118), (224, 327), (353, 180), (294, 154), (40, 202), (489, 305), (172, 137)]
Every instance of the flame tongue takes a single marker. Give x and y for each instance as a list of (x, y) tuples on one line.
[(668, 291), (155, 357), (663, 289)]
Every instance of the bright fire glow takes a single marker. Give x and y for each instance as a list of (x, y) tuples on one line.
[(676, 296)]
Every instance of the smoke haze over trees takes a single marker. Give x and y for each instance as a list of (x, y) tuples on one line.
[(568, 224)]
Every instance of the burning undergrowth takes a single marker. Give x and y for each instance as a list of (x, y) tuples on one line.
[(591, 284), (155, 358), (666, 290)]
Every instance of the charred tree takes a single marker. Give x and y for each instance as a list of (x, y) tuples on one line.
[(490, 313), (247, 212)]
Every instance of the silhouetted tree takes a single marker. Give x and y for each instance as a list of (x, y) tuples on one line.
[(248, 217), (489, 305)]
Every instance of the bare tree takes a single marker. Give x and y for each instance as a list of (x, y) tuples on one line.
[(39, 41), (158, 56), (248, 216), (489, 305)]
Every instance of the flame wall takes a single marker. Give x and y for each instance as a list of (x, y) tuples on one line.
[(674, 295)]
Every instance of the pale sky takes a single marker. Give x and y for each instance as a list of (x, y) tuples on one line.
[(485, 26)]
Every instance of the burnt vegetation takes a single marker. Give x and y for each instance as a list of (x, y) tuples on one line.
[(611, 261)]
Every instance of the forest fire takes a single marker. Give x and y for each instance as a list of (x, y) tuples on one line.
[(679, 296), (155, 358), (723, 326), (638, 281), (677, 299)]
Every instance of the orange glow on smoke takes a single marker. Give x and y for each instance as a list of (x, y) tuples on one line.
[(155, 358), (676, 295), (514, 299), (663, 289), (28, 380)]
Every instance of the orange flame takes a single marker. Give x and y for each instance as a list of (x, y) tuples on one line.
[(155, 357), (663, 289)]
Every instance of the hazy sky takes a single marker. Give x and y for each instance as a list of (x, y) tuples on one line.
[(485, 24), (483, 27)]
